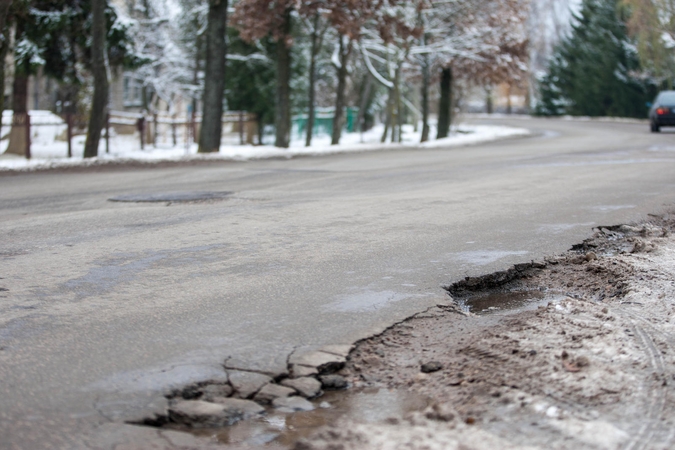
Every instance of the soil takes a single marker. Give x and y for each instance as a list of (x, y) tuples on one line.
[(576, 352)]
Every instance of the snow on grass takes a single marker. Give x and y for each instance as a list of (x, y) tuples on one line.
[(50, 153)]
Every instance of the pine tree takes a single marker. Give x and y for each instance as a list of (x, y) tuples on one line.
[(251, 83), (592, 71)]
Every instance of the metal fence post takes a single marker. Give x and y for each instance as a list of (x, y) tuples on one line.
[(193, 126), (27, 123), (155, 130), (241, 127), (173, 129), (141, 129), (107, 132), (69, 133)]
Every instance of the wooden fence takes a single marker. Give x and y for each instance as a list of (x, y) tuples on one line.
[(157, 129)]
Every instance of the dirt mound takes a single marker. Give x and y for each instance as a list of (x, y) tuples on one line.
[(585, 360)]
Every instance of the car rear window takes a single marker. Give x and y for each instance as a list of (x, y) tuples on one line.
[(667, 98)]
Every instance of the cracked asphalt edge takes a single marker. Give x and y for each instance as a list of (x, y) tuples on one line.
[(307, 364), (549, 377)]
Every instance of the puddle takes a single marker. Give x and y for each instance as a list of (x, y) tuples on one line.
[(484, 257), (608, 208), (279, 430), (557, 228), (497, 302)]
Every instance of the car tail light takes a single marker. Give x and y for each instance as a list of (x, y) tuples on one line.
[(661, 111)]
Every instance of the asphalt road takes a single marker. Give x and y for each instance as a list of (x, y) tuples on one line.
[(106, 305)]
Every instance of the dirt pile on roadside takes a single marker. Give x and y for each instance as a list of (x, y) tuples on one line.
[(585, 360)]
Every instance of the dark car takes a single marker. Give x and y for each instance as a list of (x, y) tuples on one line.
[(662, 112)]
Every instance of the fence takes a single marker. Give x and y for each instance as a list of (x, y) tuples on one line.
[(162, 129), (158, 130)]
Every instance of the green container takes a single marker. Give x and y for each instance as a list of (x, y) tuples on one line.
[(323, 121)]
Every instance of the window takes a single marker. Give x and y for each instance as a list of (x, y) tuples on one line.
[(132, 95)]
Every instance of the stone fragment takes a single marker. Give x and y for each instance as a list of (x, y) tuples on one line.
[(201, 414), (372, 361), (442, 412), (432, 366), (271, 391), (333, 382), (211, 391), (292, 404), (591, 256), (298, 371), (324, 362), (306, 386), (454, 381), (238, 407), (246, 384), (339, 350), (582, 361), (420, 377)]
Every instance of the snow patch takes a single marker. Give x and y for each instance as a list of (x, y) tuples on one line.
[(48, 152)]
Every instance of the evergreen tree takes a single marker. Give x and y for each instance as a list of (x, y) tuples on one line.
[(56, 34), (592, 71), (251, 84)]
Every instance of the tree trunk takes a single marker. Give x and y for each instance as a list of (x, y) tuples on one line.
[(4, 47), (338, 121), (17, 135), (316, 45), (398, 137), (283, 107), (488, 100), (389, 118), (214, 77), (195, 73), (363, 104), (100, 72), (445, 106), (260, 129), (425, 99)]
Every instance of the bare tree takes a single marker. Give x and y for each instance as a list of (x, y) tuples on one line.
[(18, 138), (214, 77), (4, 48), (256, 19), (318, 28), (100, 72), (344, 51)]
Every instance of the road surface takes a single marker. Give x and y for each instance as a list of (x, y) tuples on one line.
[(105, 305)]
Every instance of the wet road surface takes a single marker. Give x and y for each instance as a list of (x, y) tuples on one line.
[(106, 305)]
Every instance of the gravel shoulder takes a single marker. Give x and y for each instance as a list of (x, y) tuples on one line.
[(583, 359)]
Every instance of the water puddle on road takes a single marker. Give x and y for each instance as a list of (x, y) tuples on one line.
[(509, 301), (277, 430)]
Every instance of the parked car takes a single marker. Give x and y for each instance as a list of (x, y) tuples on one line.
[(662, 111)]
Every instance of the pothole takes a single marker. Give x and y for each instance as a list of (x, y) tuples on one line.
[(451, 375), (173, 197), (495, 302), (275, 428)]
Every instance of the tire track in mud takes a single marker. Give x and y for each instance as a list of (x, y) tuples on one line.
[(657, 397)]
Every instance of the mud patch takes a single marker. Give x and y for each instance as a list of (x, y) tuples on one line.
[(586, 360)]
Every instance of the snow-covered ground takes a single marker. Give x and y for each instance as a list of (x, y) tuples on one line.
[(49, 152)]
